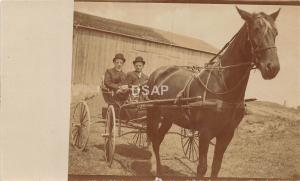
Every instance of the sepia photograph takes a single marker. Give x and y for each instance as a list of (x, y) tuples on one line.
[(179, 90)]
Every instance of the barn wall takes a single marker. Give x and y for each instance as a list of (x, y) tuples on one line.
[(93, 52)]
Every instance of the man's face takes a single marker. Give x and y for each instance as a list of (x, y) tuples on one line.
[(138, 66), (118, 63)]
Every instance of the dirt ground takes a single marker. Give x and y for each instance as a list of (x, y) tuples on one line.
[(266, 144)]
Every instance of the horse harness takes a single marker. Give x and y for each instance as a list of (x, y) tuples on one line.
[(212, 65)]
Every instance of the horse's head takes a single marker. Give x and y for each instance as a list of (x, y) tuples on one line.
[(262, 33)]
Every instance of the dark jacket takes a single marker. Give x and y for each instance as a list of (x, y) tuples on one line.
[(113, 79), (134, 79)]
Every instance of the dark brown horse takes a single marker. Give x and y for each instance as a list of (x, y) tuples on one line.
[(223, 81)]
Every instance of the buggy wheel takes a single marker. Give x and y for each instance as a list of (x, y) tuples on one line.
[(190, 144), (80, 126), (110, 134)]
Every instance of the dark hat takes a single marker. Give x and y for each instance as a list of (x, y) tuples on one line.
[(119, 56), (139, 59)]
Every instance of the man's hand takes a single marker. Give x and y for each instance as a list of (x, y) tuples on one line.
[(123, 87)]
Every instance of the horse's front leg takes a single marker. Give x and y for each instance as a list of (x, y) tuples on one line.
[(222, 142), (204, 140)]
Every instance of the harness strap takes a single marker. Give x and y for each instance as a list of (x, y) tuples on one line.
[(224, 82), (184, 92), (225, 92), (207, 81)]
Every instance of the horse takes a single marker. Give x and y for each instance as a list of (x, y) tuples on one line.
[(223, 81)]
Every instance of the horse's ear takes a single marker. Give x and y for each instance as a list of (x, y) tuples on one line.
[(275, 14), (244, 14)]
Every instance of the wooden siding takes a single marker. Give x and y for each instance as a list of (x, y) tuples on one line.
[(93, 52)]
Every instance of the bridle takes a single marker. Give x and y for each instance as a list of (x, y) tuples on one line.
[(255, 51)]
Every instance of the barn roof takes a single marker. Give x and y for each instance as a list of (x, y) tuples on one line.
[(141, 32)]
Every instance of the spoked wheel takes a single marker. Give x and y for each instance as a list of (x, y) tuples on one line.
[(190, 144), (80, 126), (110, 134)]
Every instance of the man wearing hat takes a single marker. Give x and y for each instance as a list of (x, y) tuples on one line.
[(115, 78), (137, 77)]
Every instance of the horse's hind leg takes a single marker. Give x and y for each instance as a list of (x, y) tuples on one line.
[(222, 141), (157, 140), (157, 133), (204, 140)]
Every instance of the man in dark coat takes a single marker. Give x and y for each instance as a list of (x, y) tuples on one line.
[(115, 78), (137, 77)]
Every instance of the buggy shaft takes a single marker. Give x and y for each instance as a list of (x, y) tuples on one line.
[(162, 101)]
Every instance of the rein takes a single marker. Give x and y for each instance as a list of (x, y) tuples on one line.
[(220, 67)]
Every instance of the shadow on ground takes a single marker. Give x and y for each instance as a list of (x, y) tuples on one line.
[(130, 151), (143, 168)]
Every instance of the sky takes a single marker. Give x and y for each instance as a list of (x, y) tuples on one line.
[(216, 24)]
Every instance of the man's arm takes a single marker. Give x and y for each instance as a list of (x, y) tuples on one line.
[(146, 77), (108, 81), (129, 79)]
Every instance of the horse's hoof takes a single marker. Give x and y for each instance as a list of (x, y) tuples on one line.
[(157, 179)]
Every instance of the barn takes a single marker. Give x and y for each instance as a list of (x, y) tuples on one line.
[(96, 40)]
